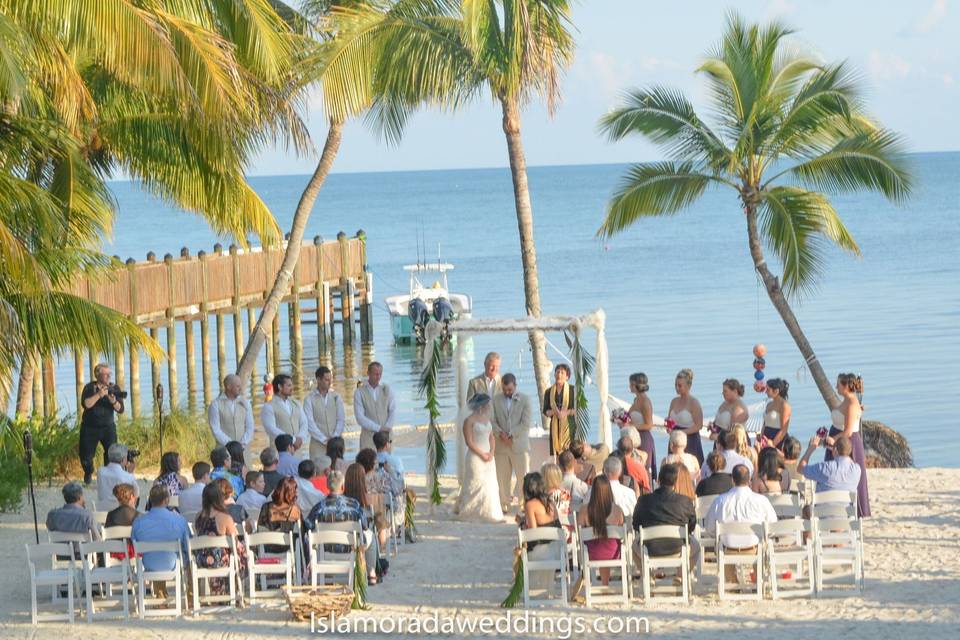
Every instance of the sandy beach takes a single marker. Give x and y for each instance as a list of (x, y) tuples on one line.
[(464, 570)]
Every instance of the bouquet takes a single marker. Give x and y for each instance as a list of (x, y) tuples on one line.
[(669, 424), (822, 434), (713, 428), (620, 416)]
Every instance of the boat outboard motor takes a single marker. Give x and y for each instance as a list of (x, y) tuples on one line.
[(419, 316), (442, 310)]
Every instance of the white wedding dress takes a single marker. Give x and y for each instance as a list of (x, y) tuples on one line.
[(480, 494)]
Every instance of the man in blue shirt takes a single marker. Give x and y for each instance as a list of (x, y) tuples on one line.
[(287, 463), (220, 459), (160, 524), (839, 474)]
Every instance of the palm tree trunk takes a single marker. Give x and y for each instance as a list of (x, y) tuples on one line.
[(528, 250), (772, 284), (292, 253), (25, 387)]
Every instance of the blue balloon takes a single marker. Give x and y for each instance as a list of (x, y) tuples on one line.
[(758, 374)]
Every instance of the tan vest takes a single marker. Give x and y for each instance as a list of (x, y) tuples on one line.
[(378, 409), (285, 422), (325, 417), (233, 420)]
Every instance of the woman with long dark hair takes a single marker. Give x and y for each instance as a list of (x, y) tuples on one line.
[(769, 477), (335, 451), (215, 520), (846, 419), (238, 465), (170, 473), (776, 415), (355, 486), (597, 514)]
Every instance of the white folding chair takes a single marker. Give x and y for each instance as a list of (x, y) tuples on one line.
[(74, 539), (706, 541), (649, 564), (739, 559), (101, 518), (325, 564), (191, 518), (61, 573), (266, 565), (573, 544), (835, 497), (588, 566), (834, 510), (786, 505), (228, 572), (838, 544), (157, 606), (789, 558), (107, 577), (554, 558)]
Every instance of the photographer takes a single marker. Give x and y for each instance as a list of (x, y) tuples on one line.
[(117, 471), (100, 399)]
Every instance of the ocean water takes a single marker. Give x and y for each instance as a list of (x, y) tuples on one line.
[(678, 291)]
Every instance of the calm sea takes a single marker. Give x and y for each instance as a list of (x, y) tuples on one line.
[(678, 291)]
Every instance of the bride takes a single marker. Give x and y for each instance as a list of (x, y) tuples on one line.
[(480, 494)]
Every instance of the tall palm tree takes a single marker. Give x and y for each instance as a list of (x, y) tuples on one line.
[(177, 95), (340, 63), (447, 52), (789, 130)]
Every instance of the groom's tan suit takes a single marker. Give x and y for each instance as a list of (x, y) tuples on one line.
[(511, 416)]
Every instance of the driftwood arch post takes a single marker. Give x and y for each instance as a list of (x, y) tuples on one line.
[(583, 365)]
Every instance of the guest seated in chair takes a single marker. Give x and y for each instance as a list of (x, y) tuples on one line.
[(126, 513), (666, 507), (160, 524), (584, 470), (281, 513), (601, 511), (252, 497), (73, 516), (718, 481), (576, 487)]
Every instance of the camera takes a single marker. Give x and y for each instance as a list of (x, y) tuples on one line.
[(118, 393), (132, 454)]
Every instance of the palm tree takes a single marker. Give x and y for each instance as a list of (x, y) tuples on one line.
[(175, 95), (341, 62), (445, 53), (789, 130)]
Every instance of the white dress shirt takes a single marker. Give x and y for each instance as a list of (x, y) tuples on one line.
[(191, 498), (307, 496), (740, 504), (270, 422), (362, 419), (732, 459), (213, 418), (110, 476), (323, 399), (623, 497), (579, 490)]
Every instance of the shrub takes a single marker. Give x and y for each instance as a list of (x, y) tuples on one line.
[(185, 433), (54, 454)]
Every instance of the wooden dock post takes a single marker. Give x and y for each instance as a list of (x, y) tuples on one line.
[(346, 294), (237, 322), (205, 330), (221, 336), (134, 352), (322, 292), (190, 348), (293, 311), (155, 335), (366, 310), (171, 338), (78, 376), (251, 324)]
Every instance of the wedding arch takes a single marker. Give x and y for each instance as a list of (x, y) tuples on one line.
[(583, 365)]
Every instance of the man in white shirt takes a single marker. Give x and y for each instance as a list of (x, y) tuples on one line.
[(283, 414), (230, 415), (191, 498), (728, 443), (307, 494), (252, 497), (325, 414), (739, 504), (623, 497), (374, 406), (578, 489), (286, 462), (489, 381), (116, 472)]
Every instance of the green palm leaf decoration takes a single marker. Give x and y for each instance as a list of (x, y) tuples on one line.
[(436, 448), (583, 363), (515, 596), (788, 131)]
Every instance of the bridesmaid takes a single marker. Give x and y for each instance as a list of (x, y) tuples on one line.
[(776, 415), (641, 418), (733, 410), (846, 420), (685, 410)]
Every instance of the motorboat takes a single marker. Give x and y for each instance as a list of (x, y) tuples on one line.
[(411, 312)]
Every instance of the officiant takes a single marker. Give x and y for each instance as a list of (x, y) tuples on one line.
[(559, 409)]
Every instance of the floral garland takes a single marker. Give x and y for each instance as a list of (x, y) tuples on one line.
[(436, 448)]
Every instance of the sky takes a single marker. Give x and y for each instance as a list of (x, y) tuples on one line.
[(907, 53)]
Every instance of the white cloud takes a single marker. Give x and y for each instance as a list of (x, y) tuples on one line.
[(887, 66), (933, 17), (611, 73), (779, 9)]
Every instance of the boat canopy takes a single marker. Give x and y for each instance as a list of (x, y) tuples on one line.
[(436, 267)]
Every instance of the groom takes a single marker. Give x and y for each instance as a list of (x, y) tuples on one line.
[(511, 426)]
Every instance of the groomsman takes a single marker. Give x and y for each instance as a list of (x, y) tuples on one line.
[(374, 406), (284, 414), (230, 416), (512, 418), (487, 382), (325, 414)]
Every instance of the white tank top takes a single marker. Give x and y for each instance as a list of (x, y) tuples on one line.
[(722, 420), (839, 420), (683, 418)]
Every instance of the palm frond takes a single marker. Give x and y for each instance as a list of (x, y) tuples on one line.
[(796, 225), (653, 189), (583, 363), (436, 448)]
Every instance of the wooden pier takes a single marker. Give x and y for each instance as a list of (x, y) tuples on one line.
[(330, 280)]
